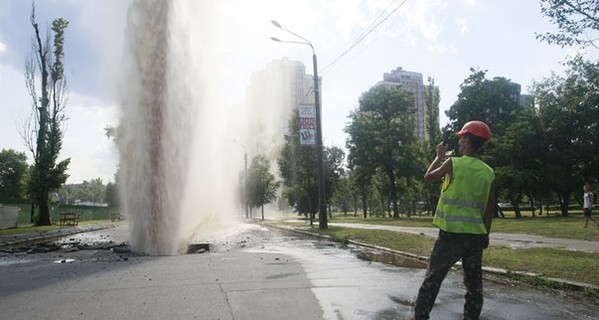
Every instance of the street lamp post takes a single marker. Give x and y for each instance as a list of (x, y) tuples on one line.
[(322, 205), (245, 178)]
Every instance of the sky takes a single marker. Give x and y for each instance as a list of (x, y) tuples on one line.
[(443, 39)]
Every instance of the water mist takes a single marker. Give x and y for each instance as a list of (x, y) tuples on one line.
[(161, 99), (179, 170)]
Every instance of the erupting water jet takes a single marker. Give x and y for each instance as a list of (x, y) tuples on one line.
[(156, 133)]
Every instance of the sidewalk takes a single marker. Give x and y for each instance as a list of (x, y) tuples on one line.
[(512, 240)]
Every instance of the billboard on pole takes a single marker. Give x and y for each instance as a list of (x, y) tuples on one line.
[(307, 124)]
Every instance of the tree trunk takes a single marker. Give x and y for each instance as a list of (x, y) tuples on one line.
[(44, 213), (31, 217), (262, 212), (364, 206), (517, 211), (564, 204)]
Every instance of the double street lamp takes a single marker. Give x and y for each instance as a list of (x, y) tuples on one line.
[(322, 209)]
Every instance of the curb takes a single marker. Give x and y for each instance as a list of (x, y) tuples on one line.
[(572, 285)]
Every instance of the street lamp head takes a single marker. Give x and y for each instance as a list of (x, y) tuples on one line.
[(275, 39), (276, 24)]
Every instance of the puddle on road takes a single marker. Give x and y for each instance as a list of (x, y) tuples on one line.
[(65, 261), (390, 258)]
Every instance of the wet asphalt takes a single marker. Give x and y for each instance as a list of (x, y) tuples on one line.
[(250, 272)]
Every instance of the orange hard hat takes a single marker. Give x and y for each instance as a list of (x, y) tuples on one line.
[(476, 128)]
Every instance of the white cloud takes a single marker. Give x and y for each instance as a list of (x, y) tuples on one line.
[(442, 48), (2, 47), (462, 24), (346, 14), (422, 17)]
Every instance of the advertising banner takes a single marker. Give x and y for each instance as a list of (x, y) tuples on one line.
[(307, 124)]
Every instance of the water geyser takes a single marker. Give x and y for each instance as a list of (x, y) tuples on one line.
[(155, 138)]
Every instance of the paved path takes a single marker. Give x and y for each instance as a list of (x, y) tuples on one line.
[(517, 241)]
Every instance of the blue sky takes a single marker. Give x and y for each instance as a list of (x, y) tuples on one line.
[(443, 39)]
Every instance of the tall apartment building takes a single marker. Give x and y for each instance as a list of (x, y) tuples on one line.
[(411, 82), (272, 95)]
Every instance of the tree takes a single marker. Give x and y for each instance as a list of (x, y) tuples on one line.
[(491, 101), (430, 191), (431, 102), (262, 187), (112, 196), (381, 135), (343, 196), (361, 162), (518, 158), (570, 118), (297, 166), (577, 21), (43, 133), (334, 171), (13, 167)]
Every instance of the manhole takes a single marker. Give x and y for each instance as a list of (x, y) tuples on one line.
[(198, 248)]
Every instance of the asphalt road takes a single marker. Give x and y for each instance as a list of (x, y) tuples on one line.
[(250, 273)]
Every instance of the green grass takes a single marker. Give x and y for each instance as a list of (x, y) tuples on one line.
[(565, 264), (417, 244)]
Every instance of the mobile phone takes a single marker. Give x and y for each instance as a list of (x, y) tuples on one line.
[(445, 136)]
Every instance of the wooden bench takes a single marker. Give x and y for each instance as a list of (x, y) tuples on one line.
[(69, 218)]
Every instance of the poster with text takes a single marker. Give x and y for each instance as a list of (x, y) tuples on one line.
[(307, 124)]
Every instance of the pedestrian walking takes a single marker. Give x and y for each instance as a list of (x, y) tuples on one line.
[(464, 214), (587, 206)]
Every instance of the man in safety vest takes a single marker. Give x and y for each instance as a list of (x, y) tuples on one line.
[(463, 216)]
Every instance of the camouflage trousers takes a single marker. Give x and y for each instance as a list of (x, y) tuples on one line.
[(448, 249)]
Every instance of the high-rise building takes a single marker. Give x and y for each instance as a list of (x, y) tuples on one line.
[(411, 82), (272, 95)]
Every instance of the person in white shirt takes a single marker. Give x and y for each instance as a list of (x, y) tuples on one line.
[(587, 206)]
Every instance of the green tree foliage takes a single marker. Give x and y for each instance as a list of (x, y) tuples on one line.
[(94, 191), (431, 102), (343, 196), (46, 83), (262, 187), (112, 195), (13, 167), (491, 101), (518, 158), (577, 21), (568, 108), (381, 136), (297, 166), (361, 162), (496, 103)]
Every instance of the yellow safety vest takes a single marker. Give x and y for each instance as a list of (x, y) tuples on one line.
[(464, 195)]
